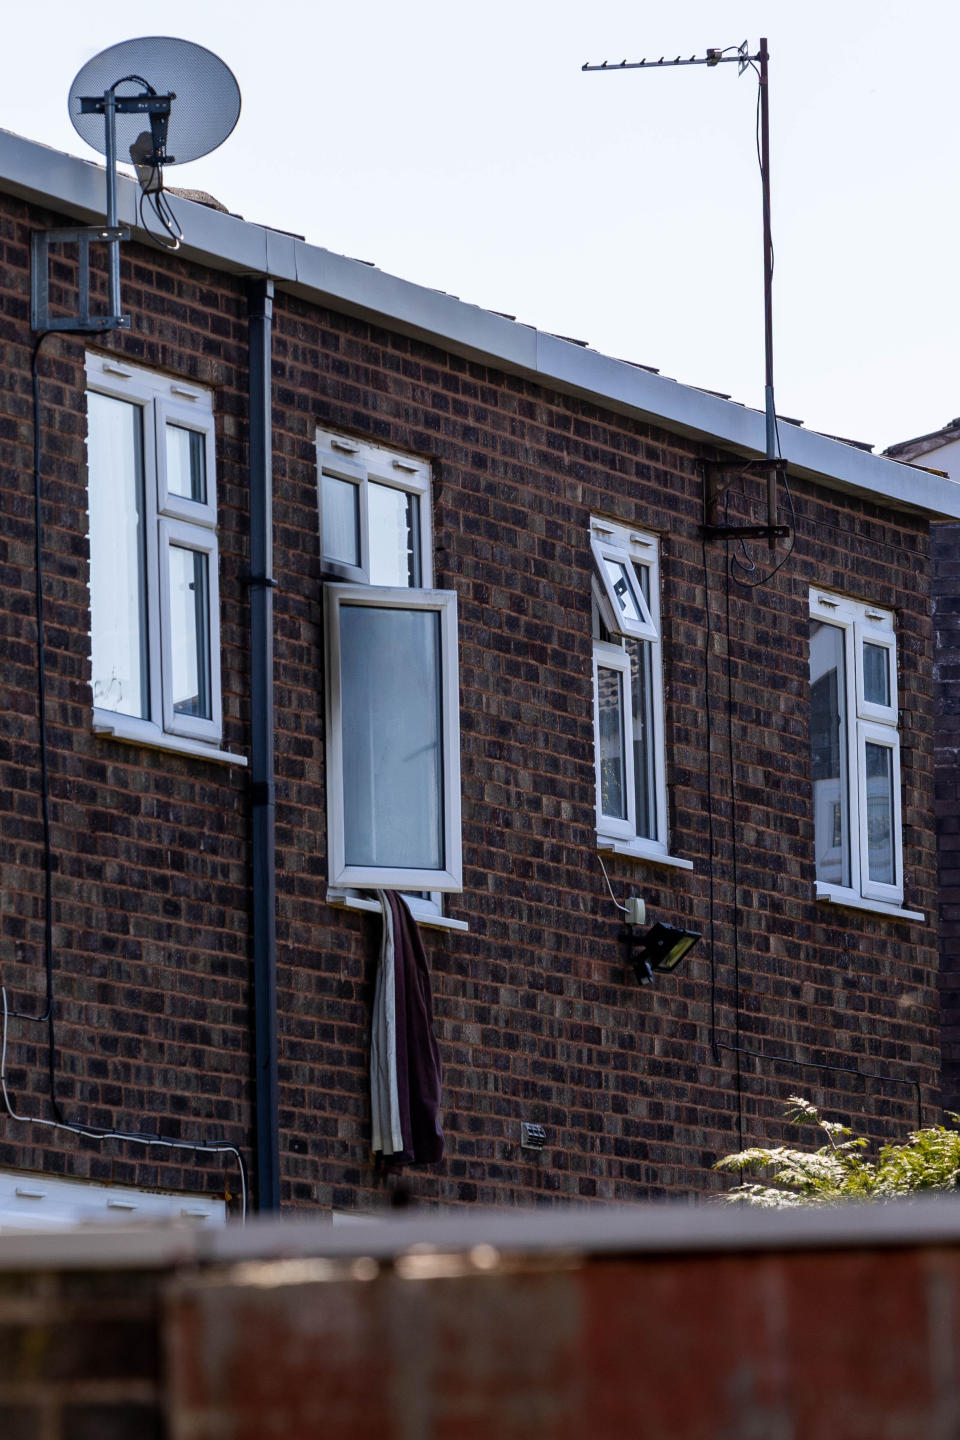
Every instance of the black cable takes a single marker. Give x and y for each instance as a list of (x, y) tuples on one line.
[(837, 1069), (710, 834), (733, 839)]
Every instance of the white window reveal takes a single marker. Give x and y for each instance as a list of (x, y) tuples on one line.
[(855, 752), (154, 598), (628, 693), (393, 766)]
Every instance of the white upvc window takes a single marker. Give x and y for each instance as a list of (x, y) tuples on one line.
[(392, 688), (154, 594), (628, 692), (855, 751)]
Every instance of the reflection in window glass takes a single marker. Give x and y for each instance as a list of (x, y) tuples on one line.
[(828, 742), (186, 463), (340, 501), (392, 737), (881, 862), (876, 674), (613, 775), (644, 774), (189, 632), (622, 589), (394, 520), (118, 591)]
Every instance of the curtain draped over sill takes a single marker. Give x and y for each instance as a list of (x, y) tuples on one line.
[(405, 1073)]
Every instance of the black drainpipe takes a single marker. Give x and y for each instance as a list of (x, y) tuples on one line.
[(262, 583)]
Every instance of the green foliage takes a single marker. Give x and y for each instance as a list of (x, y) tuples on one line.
[(840, 1170)]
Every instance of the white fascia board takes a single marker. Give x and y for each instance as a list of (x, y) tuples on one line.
[(225, 242)]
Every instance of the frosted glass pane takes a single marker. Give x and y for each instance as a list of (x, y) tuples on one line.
[(613, 774), (341, 520), (189, 632), (394, 520), (880, 846), (186, 463), (392, 737), (876, 674), (118, 593)]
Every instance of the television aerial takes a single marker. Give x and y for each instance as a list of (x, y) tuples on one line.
[(151, 102)]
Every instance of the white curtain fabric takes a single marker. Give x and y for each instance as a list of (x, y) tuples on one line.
[(384, 1098)]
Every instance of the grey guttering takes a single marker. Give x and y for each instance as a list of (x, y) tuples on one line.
[(76, 188)]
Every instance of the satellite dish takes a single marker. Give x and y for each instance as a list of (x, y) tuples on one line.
[(204, 97)]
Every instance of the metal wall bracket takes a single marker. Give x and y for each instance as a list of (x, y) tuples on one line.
[(41, 242)]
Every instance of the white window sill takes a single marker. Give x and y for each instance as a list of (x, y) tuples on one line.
[(423, 916), (833, 895), (139, 732), (638, 850)]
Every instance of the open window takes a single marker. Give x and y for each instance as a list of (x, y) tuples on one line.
[(392, 689), (628, 692)]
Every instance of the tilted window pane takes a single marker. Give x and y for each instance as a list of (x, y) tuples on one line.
[(880, 839), (118, 587), (340, 500), (644, 749), (186, 463), (613, 774), (190, 632), (828, 741), (392, 737), (393, 517), (623, 589), (876, 674)]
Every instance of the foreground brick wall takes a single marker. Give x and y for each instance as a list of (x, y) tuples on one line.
[(819, 1325), (537, 1015)]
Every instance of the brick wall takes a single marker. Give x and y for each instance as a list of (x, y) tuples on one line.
[(537, 1014), (946, 609)]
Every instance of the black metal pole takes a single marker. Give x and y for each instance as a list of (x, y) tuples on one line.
[(260, 310), (769, 404)]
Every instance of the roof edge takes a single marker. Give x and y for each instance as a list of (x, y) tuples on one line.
[(222, 241)]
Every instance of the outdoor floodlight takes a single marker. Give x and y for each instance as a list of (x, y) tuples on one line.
[(662, 947)]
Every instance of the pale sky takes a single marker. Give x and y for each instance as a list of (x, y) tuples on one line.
[(460, 146)]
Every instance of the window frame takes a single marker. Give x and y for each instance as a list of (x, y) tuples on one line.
[(340, 873), (865, 722), (192, 524), (633, 548), (360, 463)]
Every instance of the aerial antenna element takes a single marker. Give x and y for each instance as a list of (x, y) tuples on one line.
[(150, 102)]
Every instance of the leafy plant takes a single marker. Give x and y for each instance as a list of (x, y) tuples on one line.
[(840, 1169)]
